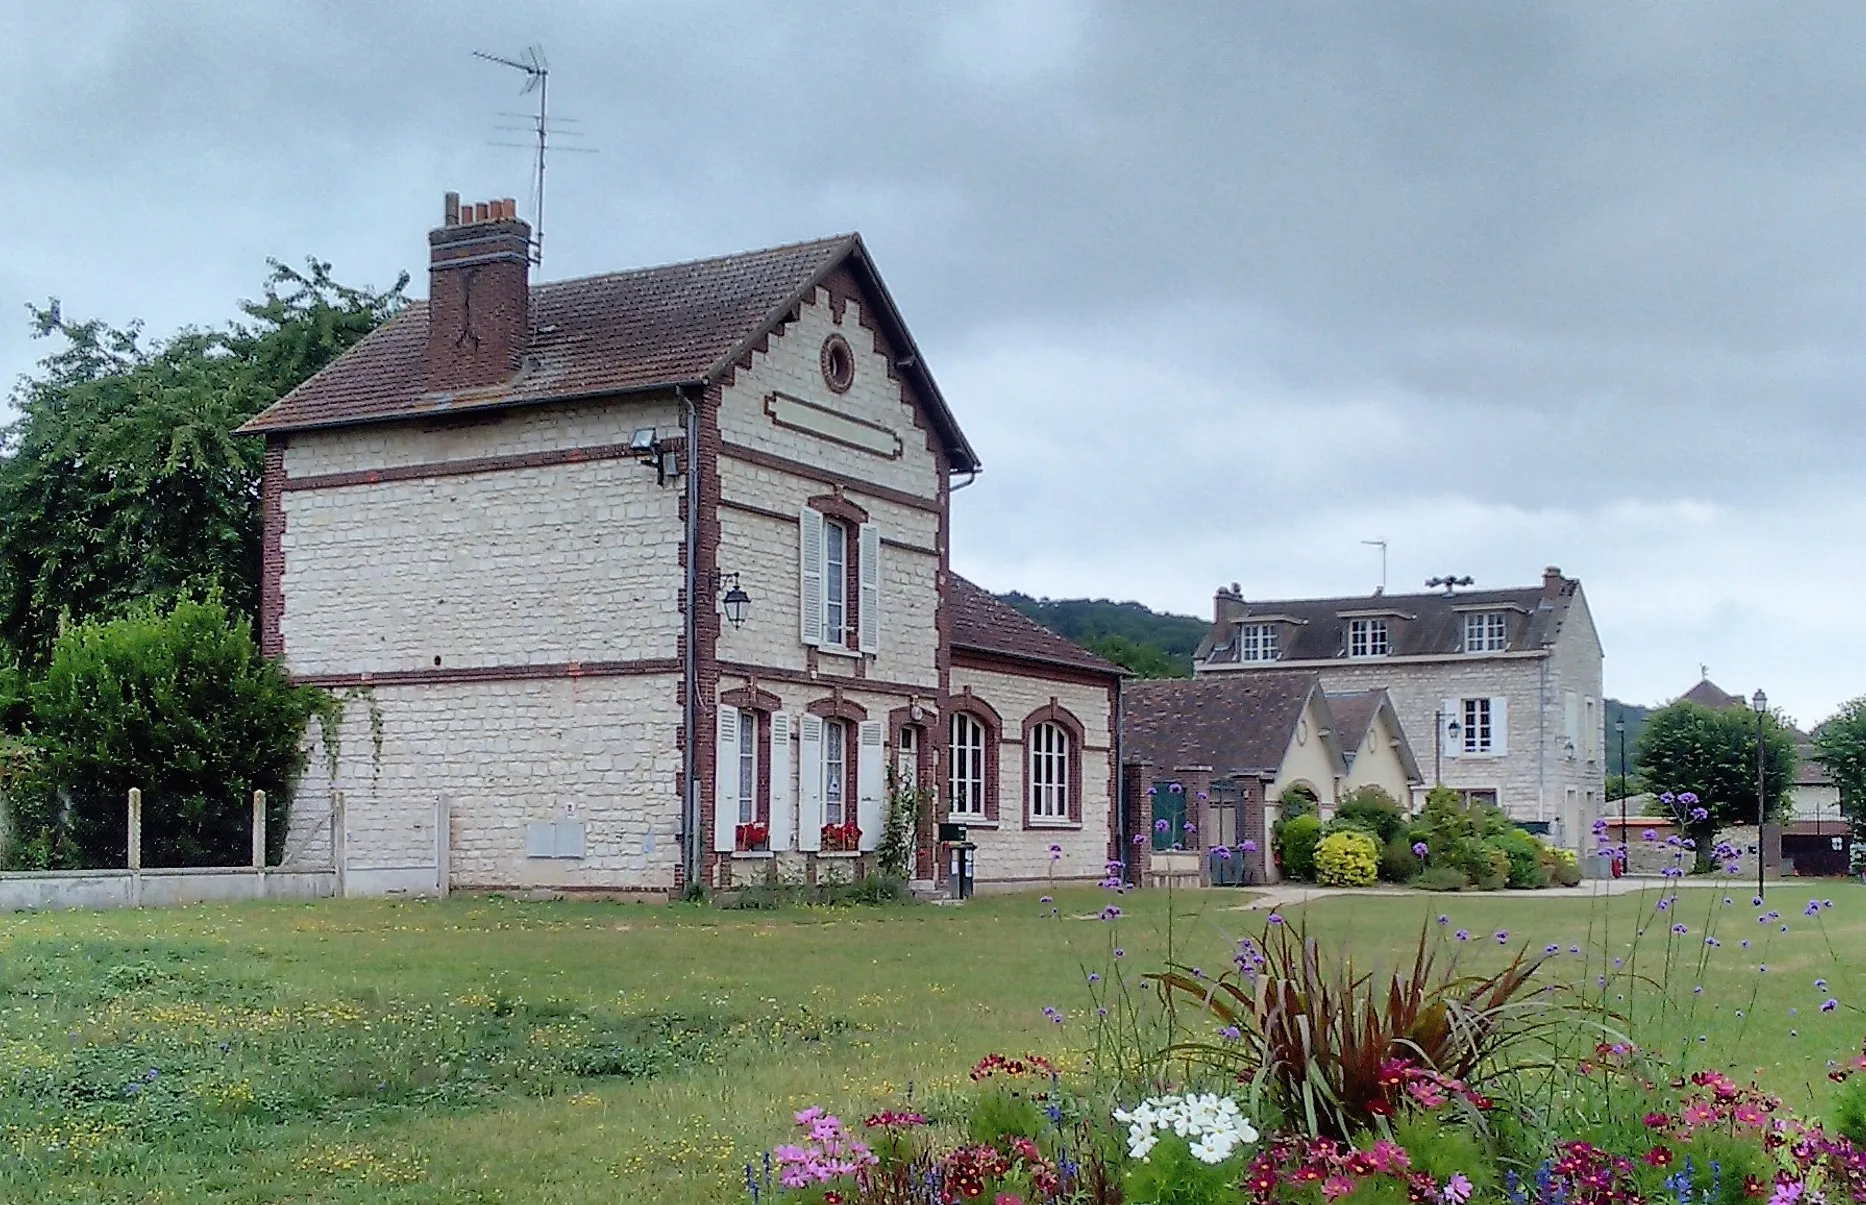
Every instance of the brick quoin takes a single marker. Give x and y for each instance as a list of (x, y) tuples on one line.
[(271, 549)]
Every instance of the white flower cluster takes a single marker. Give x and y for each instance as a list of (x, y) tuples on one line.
[(1211, 1125)]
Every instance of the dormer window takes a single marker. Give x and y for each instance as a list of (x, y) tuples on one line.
[(1486, 632), (1258, 642), (1369, 638)]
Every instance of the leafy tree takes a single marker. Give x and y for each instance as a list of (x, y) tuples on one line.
[(180, 704), (1634, 717), (1143, 660), (1840, 745), (122, 479), (1086, 620), (1687, 747), (1373, 809)]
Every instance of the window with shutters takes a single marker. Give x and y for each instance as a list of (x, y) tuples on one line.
[(835, 583), (1478, 736), (835, 766), (748, 767), (1369, 638), (1049, 772), (966, 788)]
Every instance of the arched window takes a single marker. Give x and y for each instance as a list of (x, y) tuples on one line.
[(1049, 772), (966, 785)]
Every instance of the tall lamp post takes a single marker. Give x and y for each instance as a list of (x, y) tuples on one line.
[(1762, 709), (1619, 726)]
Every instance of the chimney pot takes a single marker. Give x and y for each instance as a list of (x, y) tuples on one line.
[(480, 213), (450, 209), (1228, 605), (1552, 582), (511, 209)]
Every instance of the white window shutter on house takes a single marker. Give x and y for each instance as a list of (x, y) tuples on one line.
[(1571, 719), (810, 585), (778, 772), (871, 814), (1499, 725), (726, 782), (1451, 711), (810, 783), (868, 610)]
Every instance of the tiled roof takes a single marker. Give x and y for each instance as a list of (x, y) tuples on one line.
[(1354, 713), (983, 624), (1234, 723), (1708, 694), (1316, 629), (648, 328)]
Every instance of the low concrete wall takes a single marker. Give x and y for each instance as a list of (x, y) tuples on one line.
[(38, 889)]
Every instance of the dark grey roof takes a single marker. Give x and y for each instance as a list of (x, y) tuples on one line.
[(1354, 713), (983, 624), (1234, 723), (1316, 629)]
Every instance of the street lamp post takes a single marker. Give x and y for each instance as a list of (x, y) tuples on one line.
[(1762, 709), (1619, 726), (1438, 748)]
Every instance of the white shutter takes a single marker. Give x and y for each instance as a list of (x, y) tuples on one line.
[(871, 808), (810, 783), (1499, 725), (778, 773), (1571, 719), (569, 839), (868, 608), (1451, 711), (810, 586), (541, 839), (726, 782)]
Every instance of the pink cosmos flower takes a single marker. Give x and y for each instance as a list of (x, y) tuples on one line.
[(1457, 1190)]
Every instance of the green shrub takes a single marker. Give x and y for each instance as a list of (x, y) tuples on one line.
[(1398, 864), (1374, 810), (1348, 858), (1560, 866), (13, 699), (180, 704), (1299, 839), (1496, 875), (1850, 1110), (1297, 800), (1441, 878), (1525, 858)]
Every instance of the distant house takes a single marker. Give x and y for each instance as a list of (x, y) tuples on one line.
[(1219, 752), (1500, 689)]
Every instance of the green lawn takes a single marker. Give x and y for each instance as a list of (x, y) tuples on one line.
[(495, 1051)]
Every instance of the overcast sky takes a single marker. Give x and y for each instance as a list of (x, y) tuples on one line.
[(1218, 291)]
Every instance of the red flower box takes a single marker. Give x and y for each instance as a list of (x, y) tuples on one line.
[(842, 838), (754, 836)]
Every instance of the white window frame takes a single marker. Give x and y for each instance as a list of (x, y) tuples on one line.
[(1049, 773), (835, 772), (1258, 642), (1486, 632), (966, 780), (1369, 638), (1478, 736), (748, 766), (835, 582)]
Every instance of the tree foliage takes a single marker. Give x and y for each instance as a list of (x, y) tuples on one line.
[(1687, 747), (1142, 660), (1089, 621), (179, 704), (1840, 744), (122, 479)]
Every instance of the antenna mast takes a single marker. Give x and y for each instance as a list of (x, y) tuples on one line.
[(538, 79), (1382, 545)]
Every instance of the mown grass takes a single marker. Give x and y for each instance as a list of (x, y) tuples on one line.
[(496, 1051)]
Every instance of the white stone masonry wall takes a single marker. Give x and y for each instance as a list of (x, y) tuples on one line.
[(513, 432)]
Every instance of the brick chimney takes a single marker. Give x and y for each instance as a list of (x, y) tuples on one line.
[(479, 268), (1228, 605), (1552, 583)]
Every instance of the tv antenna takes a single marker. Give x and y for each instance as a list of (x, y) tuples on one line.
[(1382, 546), (1450, 583), (537, 79)]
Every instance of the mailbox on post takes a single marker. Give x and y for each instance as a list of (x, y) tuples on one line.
[(959, 859)]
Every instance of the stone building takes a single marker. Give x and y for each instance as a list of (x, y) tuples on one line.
[(644, 577), (1499, 691)]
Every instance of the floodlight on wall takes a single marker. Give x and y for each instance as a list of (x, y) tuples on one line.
[(651, 451), (642, 442)]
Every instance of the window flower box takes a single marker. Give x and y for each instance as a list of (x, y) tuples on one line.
[(843, 838), (751, 838)]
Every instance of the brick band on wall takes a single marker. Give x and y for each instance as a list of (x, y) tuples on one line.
[(272, 550)]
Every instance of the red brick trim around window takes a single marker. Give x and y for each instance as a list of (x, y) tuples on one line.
[(752, 697), (1054, 713), (838, 708), (815, 472), (837, 507), (971, 705)]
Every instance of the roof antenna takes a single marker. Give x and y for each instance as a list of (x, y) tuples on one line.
[(537, 79), (1450, 583), (1382, 545)]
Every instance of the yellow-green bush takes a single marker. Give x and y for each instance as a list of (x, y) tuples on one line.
[(1347, 858)]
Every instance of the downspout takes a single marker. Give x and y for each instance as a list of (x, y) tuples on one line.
[(971, 475), (689, 762)]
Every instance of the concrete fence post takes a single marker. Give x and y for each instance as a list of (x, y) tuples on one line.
[(136, 829), (259, 830)]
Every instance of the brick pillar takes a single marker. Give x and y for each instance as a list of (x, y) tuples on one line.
[(1135, 778), (1197, 780), (1255, 826)]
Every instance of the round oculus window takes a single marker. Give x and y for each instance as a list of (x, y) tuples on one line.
[(838, 364)]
